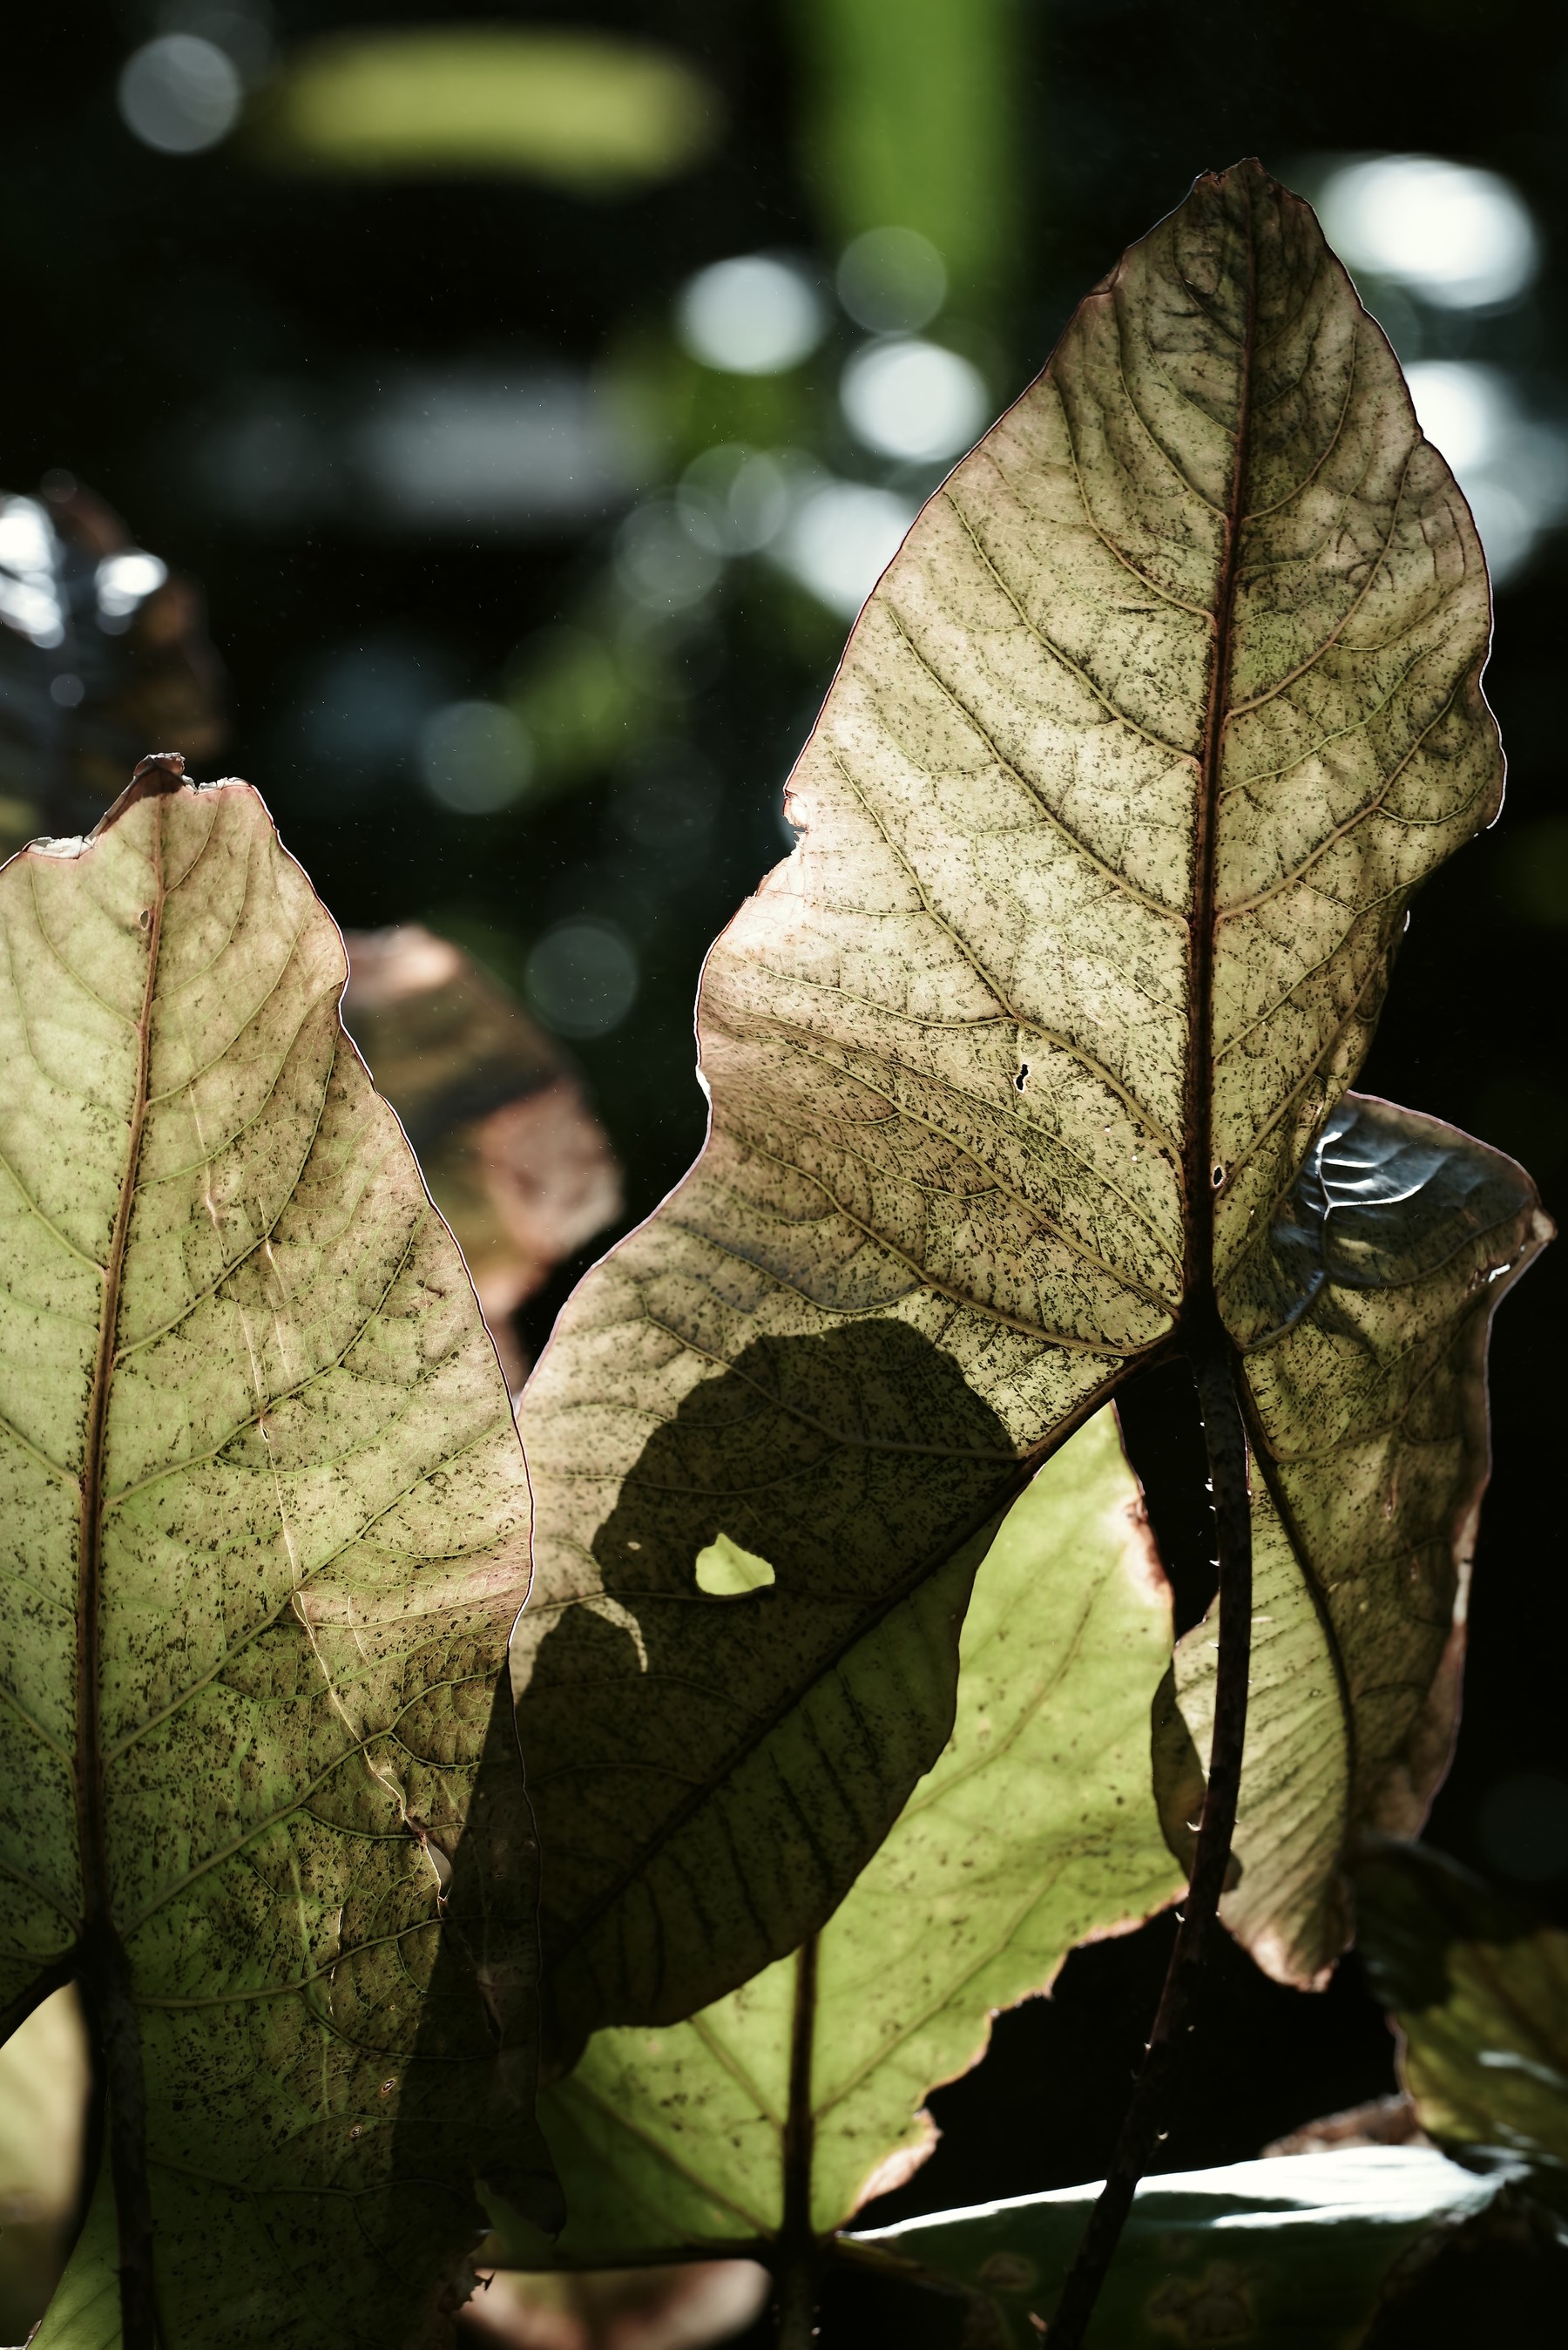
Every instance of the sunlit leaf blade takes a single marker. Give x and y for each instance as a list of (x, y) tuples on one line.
[(1168, 702), (44, 2083), (1480, 1993), (515, 1160), (85, 2312), (265, 1518), (1300, 2250), (1365, 1390), (1034, 1832)]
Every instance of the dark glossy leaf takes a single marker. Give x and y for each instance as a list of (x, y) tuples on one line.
[(1294, 2253), (1480, 1990)]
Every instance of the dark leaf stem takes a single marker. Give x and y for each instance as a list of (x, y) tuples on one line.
[(105, 1984), (1174, 2020), (797, 2258), (795, 2301), (104, 1973)]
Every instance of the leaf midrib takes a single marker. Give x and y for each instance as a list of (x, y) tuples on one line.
[(90, 1790), (1197, 1208), (1200, 1197)]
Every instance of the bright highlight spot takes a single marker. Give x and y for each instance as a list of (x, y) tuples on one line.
[(180, 94), (1512, 469), (1466, 409), (840, 540), (891, 280), (475, 756), (584, 109), (126, 580), (751, 315), (30, 593), (1458, 236), (582, 978), (725, 1570), (913, 399)]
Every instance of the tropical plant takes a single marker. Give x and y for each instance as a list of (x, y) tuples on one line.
[(846, 1688), (1028, 1070)]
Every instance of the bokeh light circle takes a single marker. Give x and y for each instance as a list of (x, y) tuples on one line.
[(754, 314), (180, 94), (913, 399)]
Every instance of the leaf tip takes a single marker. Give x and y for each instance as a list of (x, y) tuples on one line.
[(160, 772)]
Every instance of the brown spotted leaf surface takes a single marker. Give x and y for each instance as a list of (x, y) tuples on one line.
[(265, 1535), (1109, 825)]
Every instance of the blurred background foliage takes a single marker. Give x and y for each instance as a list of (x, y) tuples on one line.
[(536, 390)]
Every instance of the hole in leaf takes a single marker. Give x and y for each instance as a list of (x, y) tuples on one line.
[(725, 1570), (1021, 1079), (1217, 1176)]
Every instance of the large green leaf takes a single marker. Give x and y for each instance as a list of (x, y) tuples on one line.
[(1365, 1378), (1298, 2252), (1481, 1992), (265, 1522), (1170, 699), (1034, 1832)]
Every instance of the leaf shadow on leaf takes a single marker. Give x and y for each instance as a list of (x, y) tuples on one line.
[(801, 1453), (476, 2017), (791, 1407)]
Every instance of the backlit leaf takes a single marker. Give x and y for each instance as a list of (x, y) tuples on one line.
[(1364, 1380), (42, 2101), (265, 1525), (1034, 1832), (1109, 823)]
